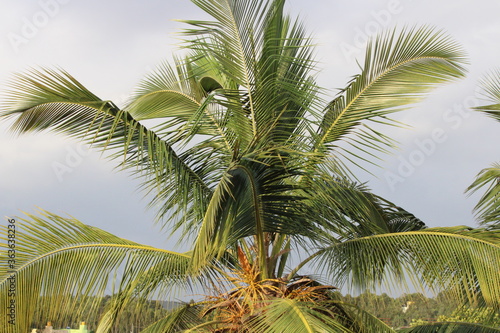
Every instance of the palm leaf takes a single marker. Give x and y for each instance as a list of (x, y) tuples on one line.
[(398, 70), (488, 208), (178, 320), (491, 92), (457, 258), (288, 315), (67, 260), (230, 40), (55, 101), (343, 210)]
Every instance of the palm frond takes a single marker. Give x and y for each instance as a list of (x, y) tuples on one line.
[(398, 70), (460, 259), (182, 319), (491, 91), (60, 260), (488, 208), (288, 315), (344, 210), (284, 90), (230, 39), (50, 100)]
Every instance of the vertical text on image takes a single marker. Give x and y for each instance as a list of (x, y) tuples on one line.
[(11, 265)]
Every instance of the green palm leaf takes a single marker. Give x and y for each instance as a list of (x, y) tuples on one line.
[(491, 92), (68, 260), (229, 40), (287, 315), (284, 315), (398, 70), (49, 100), (347, 210), (460, 259), (488, 208), (179, 320)]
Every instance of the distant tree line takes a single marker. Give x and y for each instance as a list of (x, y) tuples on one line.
[(405, 309), (135, 316), (397, 312)]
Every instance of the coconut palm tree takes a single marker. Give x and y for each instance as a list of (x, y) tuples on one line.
[(250, 161)]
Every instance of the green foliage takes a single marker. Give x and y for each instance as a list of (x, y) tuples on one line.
[(474, 315), (391, 310), (462, 319)]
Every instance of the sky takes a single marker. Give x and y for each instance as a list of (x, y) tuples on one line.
[(109, 45)]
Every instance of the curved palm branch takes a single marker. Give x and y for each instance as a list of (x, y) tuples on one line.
[(398, 70), (488, 208), (70, 261), (491, 91), (182, 319), (347, 210), (291, 315), (267, 57), (50, 100), (461, 259)]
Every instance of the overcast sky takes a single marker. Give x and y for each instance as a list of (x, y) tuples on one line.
[(109, 45)]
